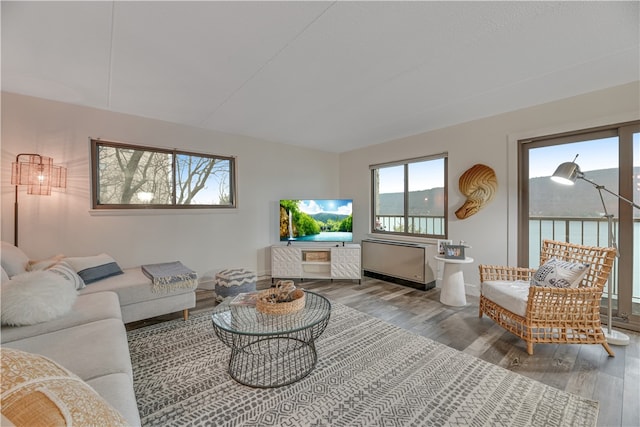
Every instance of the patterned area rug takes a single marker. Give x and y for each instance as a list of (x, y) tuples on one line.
[(369, 373)]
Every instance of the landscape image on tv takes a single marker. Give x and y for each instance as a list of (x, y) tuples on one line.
[(316, 220)]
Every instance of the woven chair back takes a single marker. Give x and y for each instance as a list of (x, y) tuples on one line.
[(600, 260)]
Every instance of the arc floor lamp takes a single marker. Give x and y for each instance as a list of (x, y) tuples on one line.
[(39, 174), (567, 173)]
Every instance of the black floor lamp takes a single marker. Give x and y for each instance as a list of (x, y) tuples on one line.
[(566, 174)]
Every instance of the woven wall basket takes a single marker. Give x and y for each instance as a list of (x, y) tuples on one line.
[(280, 307)]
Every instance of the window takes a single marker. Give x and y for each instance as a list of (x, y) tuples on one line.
[(410, 197), (134, 177)]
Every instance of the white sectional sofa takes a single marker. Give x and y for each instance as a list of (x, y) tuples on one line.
[(90, 340)]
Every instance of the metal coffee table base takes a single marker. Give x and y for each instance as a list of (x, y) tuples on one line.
[(272, 361), (271, 350)]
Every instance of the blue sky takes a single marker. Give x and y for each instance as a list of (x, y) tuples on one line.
[(592, 155), (422, 176)]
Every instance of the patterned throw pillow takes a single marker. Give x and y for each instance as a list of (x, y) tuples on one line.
[(65, 270), (36, 391), (560, 274)]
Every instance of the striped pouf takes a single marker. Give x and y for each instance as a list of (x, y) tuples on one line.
[(232, 281)]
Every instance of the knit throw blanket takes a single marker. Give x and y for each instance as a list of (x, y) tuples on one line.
[(168, 276)]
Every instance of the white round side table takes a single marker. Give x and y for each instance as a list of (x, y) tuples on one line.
[(452, 292)]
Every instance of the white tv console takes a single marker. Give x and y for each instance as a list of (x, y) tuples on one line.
[(316, 261)]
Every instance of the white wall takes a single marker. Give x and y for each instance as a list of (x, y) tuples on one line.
[(491, 141), (267, 172), (204, 240)]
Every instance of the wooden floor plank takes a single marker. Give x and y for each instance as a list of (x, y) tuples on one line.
[(609, 389), (631, 389)]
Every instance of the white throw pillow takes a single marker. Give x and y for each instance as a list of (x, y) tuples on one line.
[(560, 274), (5, 278), (94, 268), (36, 297), (59, 267), (14, 261), (66, 271)]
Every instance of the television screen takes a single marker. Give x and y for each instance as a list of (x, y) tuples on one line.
[(316, 220)]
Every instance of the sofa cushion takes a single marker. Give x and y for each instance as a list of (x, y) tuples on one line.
[(36, 296), (87, 308), (157, 307), (117, 390), (560, 274), (510, 295), (90, 351), (38, 391), (14, 261), (133, 287), (94, 268), (5, 276)]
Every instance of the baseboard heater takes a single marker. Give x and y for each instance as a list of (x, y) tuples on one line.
[(403, 263)]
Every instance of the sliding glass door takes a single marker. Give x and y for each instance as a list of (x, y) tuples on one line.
[(610, 159)]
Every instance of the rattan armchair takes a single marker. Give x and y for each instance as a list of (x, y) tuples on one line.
[(555, 315)]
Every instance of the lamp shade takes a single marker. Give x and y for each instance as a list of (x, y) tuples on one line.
[(34, 173), (566, 173)]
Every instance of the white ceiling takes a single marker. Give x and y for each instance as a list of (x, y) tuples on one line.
[(329, 75)]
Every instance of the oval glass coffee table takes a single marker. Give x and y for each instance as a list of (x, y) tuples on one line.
[(271, 350)]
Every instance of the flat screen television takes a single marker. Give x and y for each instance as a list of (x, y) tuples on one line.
[(316, 220)]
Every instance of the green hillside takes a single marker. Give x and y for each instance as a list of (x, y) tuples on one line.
[(549, 198)]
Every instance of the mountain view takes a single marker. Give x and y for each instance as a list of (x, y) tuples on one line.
[(432, 200), (547, 198)]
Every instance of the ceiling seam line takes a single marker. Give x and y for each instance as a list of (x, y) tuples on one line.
[(267, 62)]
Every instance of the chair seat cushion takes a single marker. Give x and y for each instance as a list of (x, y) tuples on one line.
[(511, 295)]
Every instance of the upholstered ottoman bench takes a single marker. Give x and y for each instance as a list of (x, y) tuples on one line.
[(232, 281)]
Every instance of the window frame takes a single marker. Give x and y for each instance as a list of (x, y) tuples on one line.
[(405, 163), (96, 143), (622, 273)]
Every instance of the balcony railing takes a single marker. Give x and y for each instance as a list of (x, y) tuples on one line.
[(417, 224), (585, 231)]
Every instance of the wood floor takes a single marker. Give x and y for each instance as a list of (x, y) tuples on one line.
[(585, 370)]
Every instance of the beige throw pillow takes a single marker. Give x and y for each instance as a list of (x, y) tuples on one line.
[(36, 391)]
